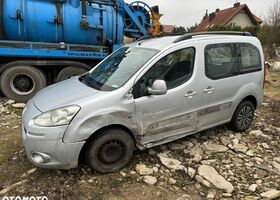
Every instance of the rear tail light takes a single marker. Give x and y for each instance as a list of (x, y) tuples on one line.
[(264, 73)]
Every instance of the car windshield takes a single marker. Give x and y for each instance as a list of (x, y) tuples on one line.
[(118, 68)]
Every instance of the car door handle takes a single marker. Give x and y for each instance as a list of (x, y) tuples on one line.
[(190, 94), (209, 90)]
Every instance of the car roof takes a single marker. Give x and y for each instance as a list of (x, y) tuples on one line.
[(161, 43), (155, 43)]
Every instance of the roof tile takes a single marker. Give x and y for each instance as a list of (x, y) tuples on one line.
[(222, 17)]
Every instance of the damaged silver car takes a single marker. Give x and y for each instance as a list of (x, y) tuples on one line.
[(145, 94)]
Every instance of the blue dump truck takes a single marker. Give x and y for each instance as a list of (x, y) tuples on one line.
[(47, 41)]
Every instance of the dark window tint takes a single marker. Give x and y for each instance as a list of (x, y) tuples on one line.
[(220, 60), (250, 58), (175, 68)]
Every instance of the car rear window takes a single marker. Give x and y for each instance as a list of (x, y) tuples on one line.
[(250, 57)]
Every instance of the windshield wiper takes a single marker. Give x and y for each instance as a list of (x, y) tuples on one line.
[(83, 76)]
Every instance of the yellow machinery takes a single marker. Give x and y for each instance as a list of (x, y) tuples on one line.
[(157, 29)]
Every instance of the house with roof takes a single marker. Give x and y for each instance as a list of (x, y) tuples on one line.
[(238, 15)]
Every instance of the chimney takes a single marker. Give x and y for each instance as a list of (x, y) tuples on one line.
[(217, 10), (205, 16), (212, 16), (236, 4)]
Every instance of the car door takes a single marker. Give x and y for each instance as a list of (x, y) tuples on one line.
[(220, 84), (166, 117)]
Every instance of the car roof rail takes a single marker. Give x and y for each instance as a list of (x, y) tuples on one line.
[(190, 35), (146, 37)]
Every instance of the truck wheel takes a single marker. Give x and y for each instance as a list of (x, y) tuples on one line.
[(243, 116), (68, 72), (110, 151), (21, 83)]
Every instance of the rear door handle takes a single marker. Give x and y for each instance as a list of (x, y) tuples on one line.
[(209, 90), (190, 94)]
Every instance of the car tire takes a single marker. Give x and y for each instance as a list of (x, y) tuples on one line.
[(69, 72), (243, 116), (110, 151), (21, 83)]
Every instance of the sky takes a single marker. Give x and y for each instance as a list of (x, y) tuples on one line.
[(188, 12)]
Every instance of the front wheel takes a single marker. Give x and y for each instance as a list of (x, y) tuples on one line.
[(243, 116), (110, 151)]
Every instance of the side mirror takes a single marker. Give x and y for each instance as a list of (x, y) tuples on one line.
[(158, 88)]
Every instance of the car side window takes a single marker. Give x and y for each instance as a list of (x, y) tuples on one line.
[(250, 57), (175, 69), (221, 61)]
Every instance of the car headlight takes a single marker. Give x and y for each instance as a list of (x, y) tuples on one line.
[(57, 117)]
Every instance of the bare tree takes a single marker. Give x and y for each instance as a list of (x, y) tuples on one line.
[(273, 15)]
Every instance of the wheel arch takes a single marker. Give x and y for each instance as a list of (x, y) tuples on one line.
[(250, 98), (233, 122), (99, 131)]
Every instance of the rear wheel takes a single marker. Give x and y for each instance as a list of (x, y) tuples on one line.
[(110, 151), (21, 83), (243, 116), (68, 72)]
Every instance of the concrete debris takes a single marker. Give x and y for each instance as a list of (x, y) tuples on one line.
[(142, 169), (18, 105), (271, 194), (210, 174), (170, 162), (242, 148), (191, 172), (216, 148), (150, 180)]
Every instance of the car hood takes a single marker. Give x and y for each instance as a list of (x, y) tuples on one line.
[(69, 92)]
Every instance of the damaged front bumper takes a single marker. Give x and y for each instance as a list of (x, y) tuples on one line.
[(44, 146)]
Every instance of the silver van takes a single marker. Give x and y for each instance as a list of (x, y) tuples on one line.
[(145, 94)]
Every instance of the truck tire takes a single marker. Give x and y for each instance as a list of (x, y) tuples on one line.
[(68, 72), (110, 151), (21, 83)]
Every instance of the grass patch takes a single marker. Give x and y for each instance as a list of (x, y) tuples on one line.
[(272, 87), (10, 143), (272, 92), (17, 111)]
